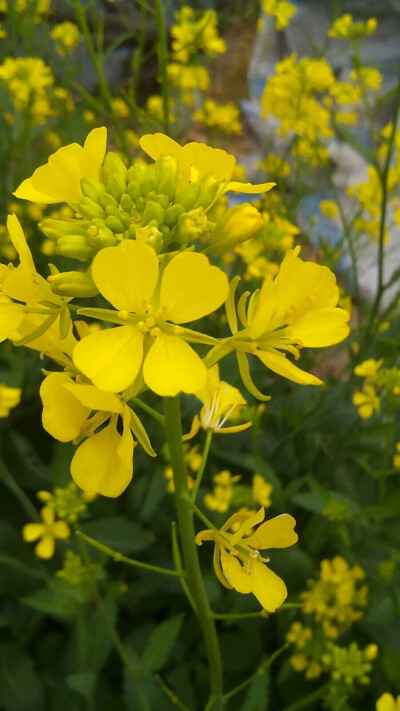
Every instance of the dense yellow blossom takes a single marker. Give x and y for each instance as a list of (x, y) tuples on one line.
[(47, 532), (281, 10), (191, 35), (345, 27), (237, 560), (224, 117), (261, 491)]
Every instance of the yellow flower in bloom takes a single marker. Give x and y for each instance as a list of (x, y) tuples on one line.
[(47, 531), (196, 160), (299, 635), (120, 108), (367, 402), (155, 107), (368, 368), (237, 560), (9, 398), (297, 309), (345, 28), (127, 276), (221, 498), (282, 10), (396, 458), (188, 77), (190, 35), (225, 117), (103, 462), (221, 402), (387, 702), (329, 209), (59, 179), (261, 491), (66, 36), (26, 78)]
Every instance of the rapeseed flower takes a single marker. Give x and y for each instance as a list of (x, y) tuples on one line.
[(128, 277), (47, 531), (224, 117), (9, 398), (66, 37), (281, 10), (237, 560), (344, 27), (387, 702), (220, 498), (367, 401)]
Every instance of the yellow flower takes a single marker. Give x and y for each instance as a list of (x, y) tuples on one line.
[(387, 702), (103, 462), (66, 36), (299, 635), (221, 402), (366, 401), (59, 179), (329, 209), (345, 28), (261, 491), (368, 368), (221, 498), (120, 108), (396, 458), (47, 532), (9, 398), (297, 309), (225, 117), (196, 160), (127, 276), (190, 35), (237, 560), (282, 10)]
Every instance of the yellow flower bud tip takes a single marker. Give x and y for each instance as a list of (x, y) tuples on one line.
[(123, 314)]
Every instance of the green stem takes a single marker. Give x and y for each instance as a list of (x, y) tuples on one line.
[(162, 53), (306, 700), (203, 464), (150, 410), (119, 558), (239, 615), (168, 692), (259, 672), (178, 565), (195, 583)]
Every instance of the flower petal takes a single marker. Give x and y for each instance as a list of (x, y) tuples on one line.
[(205, 159), (110, 358), (93, 398), (281, 365), (321, 328), (172, 366), (32, 531), (157, 144), (63, 415), (268, 588), (276, 533), (45, 548), (61, 530), (126, 275), (386, 703), (191, 288), (11, 317), (93, 153), (235, 573), (249, 188), (97, 467)]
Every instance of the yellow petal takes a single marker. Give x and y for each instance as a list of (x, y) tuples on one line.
[(95, 399), (235, 573), (32, 531), (110, 358), (63, 415), (126, 275), (19, 241), (276, 533), (93, 153), (205, 159), (268, 587), (96, 466), (281, 365), (249, 188), (61, 530), (48, 515), (158, 144), (386, 703), (191, 288), (45, 548), (318, 329), (11, 316), (172, 366)]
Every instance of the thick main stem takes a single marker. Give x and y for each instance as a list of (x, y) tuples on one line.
[(194, 578)]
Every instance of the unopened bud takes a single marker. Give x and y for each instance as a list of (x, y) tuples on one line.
[(92, 189), (134, 190), (54, 229), (116, 186), (115, 224), (76, 247), (107, 200), (89, 209), (150, 235), (188, 196), (113, 165), (103, 238), (166, 171), (126, 202), (79, 284), (237, 225), (153, 211), (209, 187), (191, 225), (172, 213)]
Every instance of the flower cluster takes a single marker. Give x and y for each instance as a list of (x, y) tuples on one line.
[(281, 10), (378, 383)]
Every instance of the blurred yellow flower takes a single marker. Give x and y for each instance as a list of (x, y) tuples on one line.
[(9, 398), (47, 531), (367, 401), (66, 37), (387, 702)]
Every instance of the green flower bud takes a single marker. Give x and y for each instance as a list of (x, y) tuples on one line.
[(76, 247), (92, 189), (103, 238), (78, 284), (191, 225), (90, 209), (107, 200), (115, 224), (116, 186), (209, 187), (113, 165), (237, 225), (53, 229), (125, 218), (134, 190), (163, 200), (149, 184), (188, 196), (167, 172), (138, 171), (150, 235), (140, 204), (172, 213), (153, 211), (126, 202)]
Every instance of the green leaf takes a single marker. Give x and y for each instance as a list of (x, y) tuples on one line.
[(160, 643), (98, 640), (20, 689), (257, 696), (118, 533), (59, 599), (82, 682)]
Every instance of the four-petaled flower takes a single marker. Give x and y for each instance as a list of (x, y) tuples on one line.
[(128, 276), (237, 560), (47, 531)]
